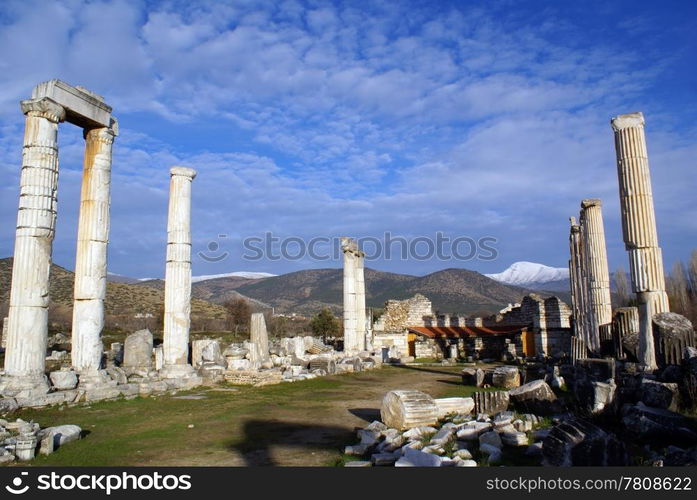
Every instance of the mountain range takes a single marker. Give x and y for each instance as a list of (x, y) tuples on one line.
[(306, 292)]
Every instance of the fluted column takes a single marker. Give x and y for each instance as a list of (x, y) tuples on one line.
[(577, 279), (178, 276), (360, 301), (639, 228), (598, 275), (36, 219), (91, 255), (348, 246)]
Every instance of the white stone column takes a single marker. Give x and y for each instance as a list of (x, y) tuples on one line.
[(259, 335), (178, 276), (91, 255), (36, 219), (600, 305), (348, 246), (360, 301), (579, 286), (639, 228)]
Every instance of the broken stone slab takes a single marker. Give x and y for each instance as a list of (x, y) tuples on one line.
[(504, 418), (420, 432), (534, 450), (420, 458), (382, 459), (376, 426), (472, 430), (661, 395), (490, 438), (514, 438), (63, 380), (443, 436), (8, 405), (506, 377), (672, 333), (404, 409), (449, 406), (138, 352), (473, 376), (654, 425), (596, 369), (535, 397), (368, 437), (491, 402), (575, 442)]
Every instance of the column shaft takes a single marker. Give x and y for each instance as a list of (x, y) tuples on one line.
[(178, 275), (639, 227), (91, 255), (347, 246), (36, 219), (579, 286), (360, 301), (600, 304)]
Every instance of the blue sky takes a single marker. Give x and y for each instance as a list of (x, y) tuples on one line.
[(315, 119)]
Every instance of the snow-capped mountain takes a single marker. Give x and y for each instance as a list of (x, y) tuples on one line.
[(530, 274), (237, 274)]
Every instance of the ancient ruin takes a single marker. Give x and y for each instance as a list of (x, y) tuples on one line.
[(355, 328), (639, 228), (178, 277), (51, 103)]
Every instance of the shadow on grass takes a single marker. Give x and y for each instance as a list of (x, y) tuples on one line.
[(367, 414), (261, 436)]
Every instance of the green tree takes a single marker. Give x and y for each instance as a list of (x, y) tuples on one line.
[(239, 314), (324, 324)]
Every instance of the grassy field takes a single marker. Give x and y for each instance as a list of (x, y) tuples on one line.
[(303, 423)]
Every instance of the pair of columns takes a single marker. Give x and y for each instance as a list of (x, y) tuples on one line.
[(639, 228), (589, 274), (52, 103), (27, 325), (355, 327)]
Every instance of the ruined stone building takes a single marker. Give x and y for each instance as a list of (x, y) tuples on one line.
[(535, 327)]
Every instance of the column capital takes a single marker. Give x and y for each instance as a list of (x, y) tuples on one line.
[(183, 171), (630, 120), (43, 107), (103, 134), (591, 202)]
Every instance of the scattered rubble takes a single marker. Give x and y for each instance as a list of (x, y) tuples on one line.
[(22, 441)]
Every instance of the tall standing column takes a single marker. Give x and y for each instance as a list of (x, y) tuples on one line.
[(259, 335), (360, 301), (348, 246), (577, 279), (600, 304), (178, 276), (91, 255), (36, 219), (639, 228)]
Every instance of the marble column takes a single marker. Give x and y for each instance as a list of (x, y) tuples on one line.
[(577, 279), (36, 220), (91, 255), (360, 301), (178, 276), (639, 228), (259, 335), (598, 274), (349, 248)]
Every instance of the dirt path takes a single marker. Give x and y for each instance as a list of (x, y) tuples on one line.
[(304, 423)]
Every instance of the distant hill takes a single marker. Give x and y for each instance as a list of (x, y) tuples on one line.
[(450, 290), (121, 298)]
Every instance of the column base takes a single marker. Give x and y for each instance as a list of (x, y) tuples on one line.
[(95, 379), (177, 371), (24, 386)]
